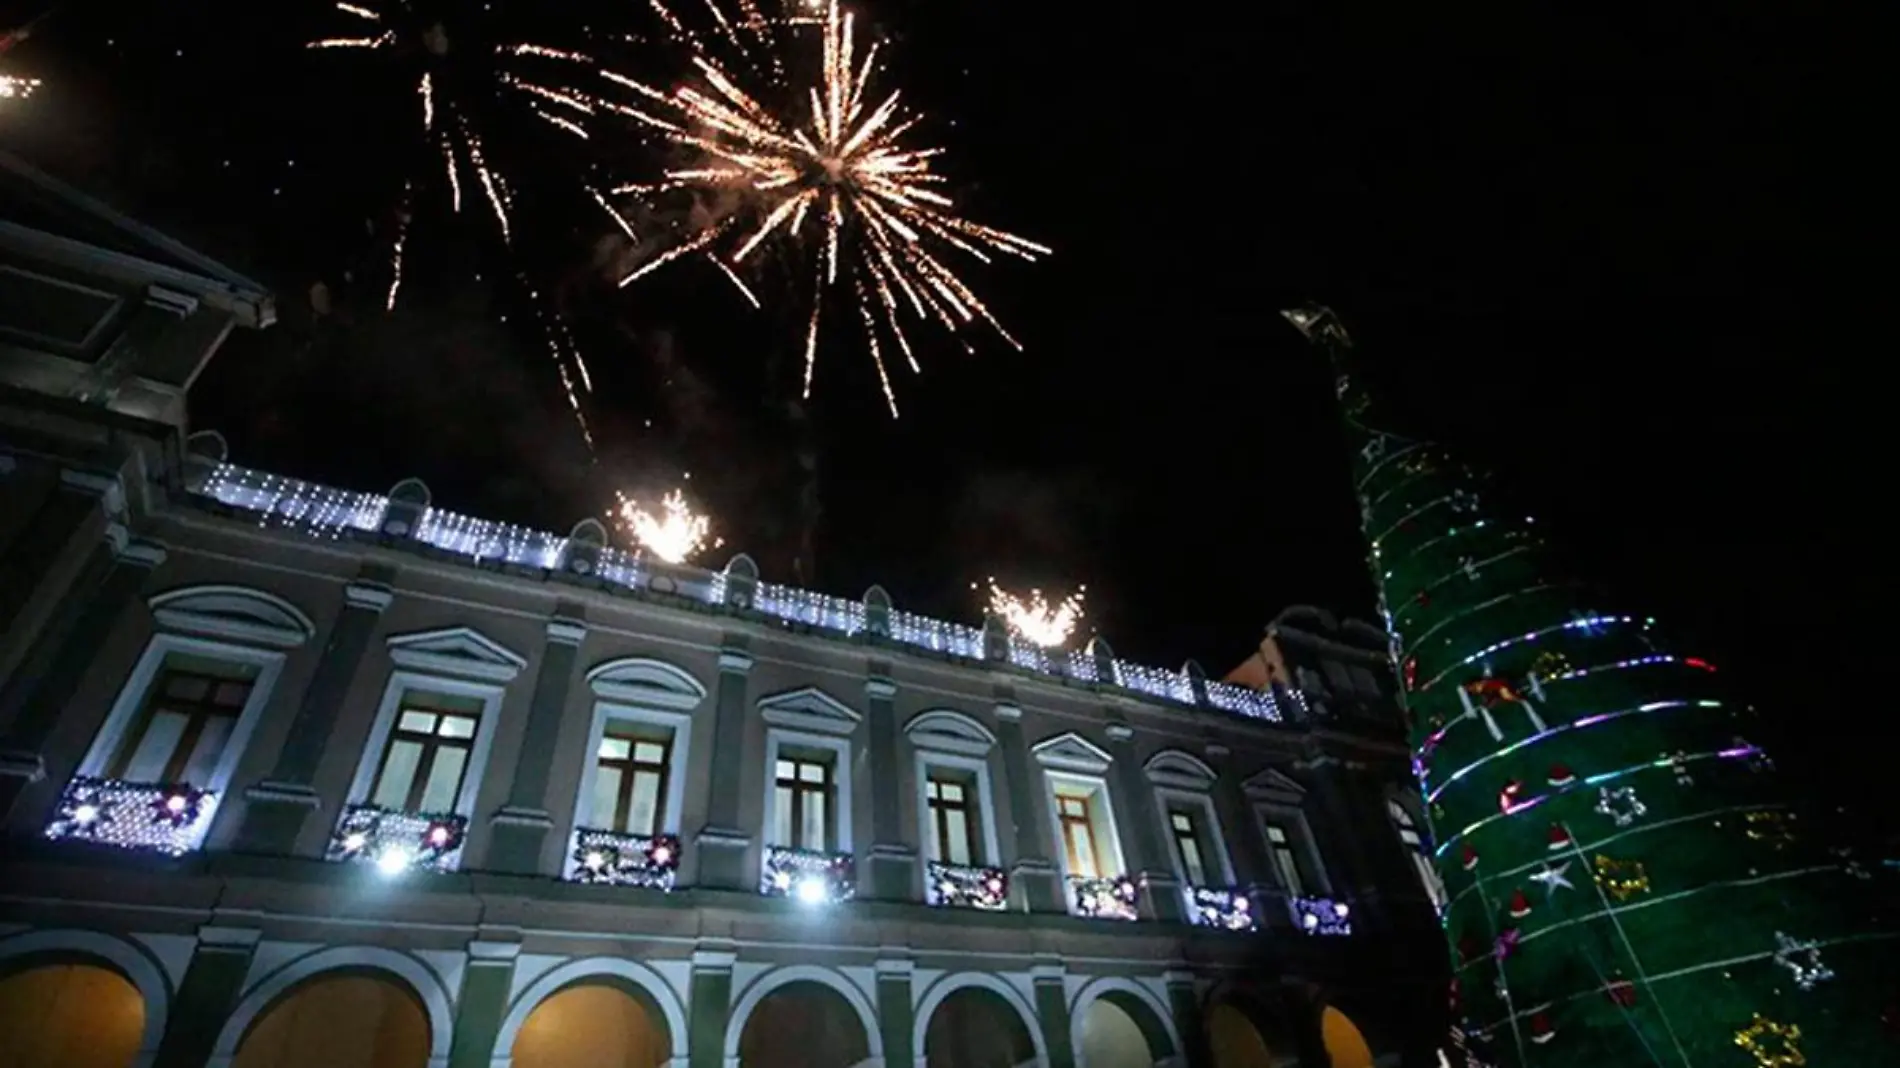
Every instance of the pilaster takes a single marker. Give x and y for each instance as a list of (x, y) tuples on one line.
[(276, 807), (42, 559), (521, 827), (893, 860), (895, 1012), (213, 981), (1141, 832), (709, 1005), (478, 1012), (1052, 1009), (1184, 1004), (1034, 883), (721, 846)]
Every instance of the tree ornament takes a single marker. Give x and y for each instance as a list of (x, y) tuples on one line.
[(1758, 760), (1561, 775), (1464, 501), (1507, 942), (1341, 385), (1411, 673), (1621, 804), (1803, 961), (1621, 991), (1553, 878), (1374, 449), (1508, 797), (1770, 826), (1469, 566), (1423, 600), (1549, 665), (1621, 879), (1772, 1044), (1520, 905), (1559, 838), (1469, 857), (1541, 1030), (1679, 763)]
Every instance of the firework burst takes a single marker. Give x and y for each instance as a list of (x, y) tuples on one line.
[(1034, 617), (675, 534), (831, 171)]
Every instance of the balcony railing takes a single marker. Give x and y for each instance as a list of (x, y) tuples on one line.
[(397, 842), (1113, 898), (1222, 907), (810, 876), (961, 886), (1321, 915), (163, 817), (610, 858)]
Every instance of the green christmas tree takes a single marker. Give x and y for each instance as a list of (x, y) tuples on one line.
[(1625, 879)]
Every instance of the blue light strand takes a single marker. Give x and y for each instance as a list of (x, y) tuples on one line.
[(1386, 457), (1531, 636), (1577, 724), (1476, 566), (1437, 737), (1467, 613)]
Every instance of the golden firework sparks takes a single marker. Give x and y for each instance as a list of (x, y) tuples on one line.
[(17, 86), (676, 534), (1035, 618), (829, 155)]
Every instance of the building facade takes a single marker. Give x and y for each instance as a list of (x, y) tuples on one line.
[(292, 775)]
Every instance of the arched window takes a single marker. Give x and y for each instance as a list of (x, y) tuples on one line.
[(1415, 848)]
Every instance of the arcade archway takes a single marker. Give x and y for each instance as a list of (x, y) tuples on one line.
[(803, 1024), (362, 1018), (70, 1014), (1345, 1046), (976, 1028), (594, 1024)]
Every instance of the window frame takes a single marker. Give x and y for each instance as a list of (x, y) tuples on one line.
[(433, 743), (1215, 860), (203, 711), (376, 745), (1405, 823), (1103, 824), (983, 838), (1293, 820), (679, 748), (843, 799)]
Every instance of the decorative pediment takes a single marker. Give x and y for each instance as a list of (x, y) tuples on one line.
[(1271, 785), (1072, 752), (809, 709), (1179, 769), (458, 652), (945, 731), (235, 613), (647, 683)]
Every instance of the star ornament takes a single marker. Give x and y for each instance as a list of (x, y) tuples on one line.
[(1621, 804), (1773, 1045), (1553, 878), (1803, 961)]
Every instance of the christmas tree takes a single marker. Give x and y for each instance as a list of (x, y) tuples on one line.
[(1625, 880)]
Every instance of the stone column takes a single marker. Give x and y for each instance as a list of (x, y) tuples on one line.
[(1140, 827), (722, 844), (1034, 883), (709, 1006), (276, 807), (896, 1015), (1184, 1004), (478, 1012), (213, 981), (1052, 1009), (521, 826), (39, 694), (893, 862)]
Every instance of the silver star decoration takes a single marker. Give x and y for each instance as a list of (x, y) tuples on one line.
[(1374, 449), (1803, 961), (1621, 804), (1341, 385), (1553, 877), (1679, 760)]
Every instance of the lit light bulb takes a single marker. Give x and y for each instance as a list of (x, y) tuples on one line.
[(662, 854), (85, 814), (354, 841), (812, 891), (175, 804), (594, 860), (781, 880), (394, 862)]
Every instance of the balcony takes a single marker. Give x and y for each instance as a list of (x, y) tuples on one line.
[(162, 817), (1321, 915), (609, 858), (1104, 899), (397, 842), (810, 876), (1224, 908), (960, 886)]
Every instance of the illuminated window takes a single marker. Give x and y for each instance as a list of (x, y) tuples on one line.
[(952, 804), (1415, 848), (1285, 861), (188, 717), (630, 779), (427, 755), (1183, 827), (804, 813), (1078, 836)]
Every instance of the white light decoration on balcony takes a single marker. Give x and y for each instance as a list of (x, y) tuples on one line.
[(609, 858), (484, 540), (1242, 701), (1105, 899), (1321, 915), (812, 609), (936, 635), (1229, 910), (964, 886), (811, 877), (397, 842), (289, 502), (163, 817)]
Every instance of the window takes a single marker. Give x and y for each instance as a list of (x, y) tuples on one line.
[(804, 816), (188, 717), (1182, 827), (952, 803), (1078, 836), (1285, 860), (1415, 848), (630, 779), (427, 755)]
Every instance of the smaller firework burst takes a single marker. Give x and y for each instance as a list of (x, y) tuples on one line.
[(676, 534), (1033, 617)]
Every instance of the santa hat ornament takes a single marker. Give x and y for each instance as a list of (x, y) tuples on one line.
[(1621, 991), (1470, 857), (1561, 775), (1541, 1031), (1507, 797), (1559, 838), (1520, 905)]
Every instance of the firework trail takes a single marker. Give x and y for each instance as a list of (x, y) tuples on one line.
[(827, 172), (1034, 617)]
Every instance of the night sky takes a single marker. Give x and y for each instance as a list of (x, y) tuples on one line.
[(1591, 249)]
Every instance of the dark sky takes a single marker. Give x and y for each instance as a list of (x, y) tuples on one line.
[(1593, 248)]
